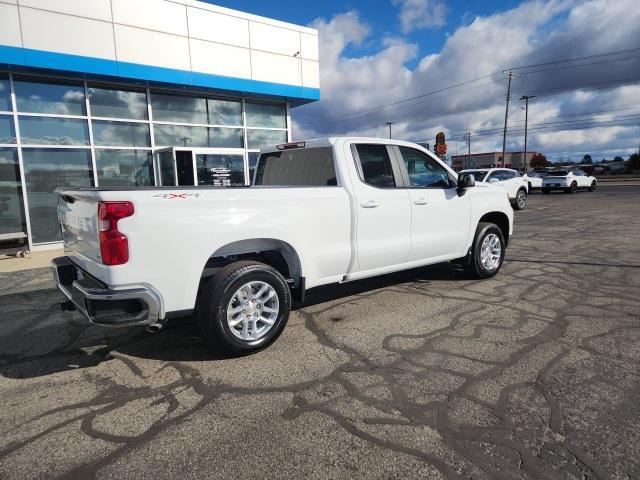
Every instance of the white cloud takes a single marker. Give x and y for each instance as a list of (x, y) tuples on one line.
[(420, 14), (534, 32)]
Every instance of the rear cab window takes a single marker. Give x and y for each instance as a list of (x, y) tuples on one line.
[(375, 167), (304, 167)]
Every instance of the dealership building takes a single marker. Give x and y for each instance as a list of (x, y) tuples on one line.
[(137, 93), (515, 160)]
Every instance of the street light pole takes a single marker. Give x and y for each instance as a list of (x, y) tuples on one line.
[(389, 124), (510, 75), (526, 121)]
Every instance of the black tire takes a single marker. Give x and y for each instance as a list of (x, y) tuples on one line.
[(475, 267), (572, 189), (217, 293), (546, 191), (593, 186), (520, 203)]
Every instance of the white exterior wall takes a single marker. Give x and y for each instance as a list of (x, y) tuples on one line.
[(185, 35)]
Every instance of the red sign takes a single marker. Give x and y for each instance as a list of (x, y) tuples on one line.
[(441, 145)]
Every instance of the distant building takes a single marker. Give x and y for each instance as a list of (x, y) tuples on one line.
[(491, 159)]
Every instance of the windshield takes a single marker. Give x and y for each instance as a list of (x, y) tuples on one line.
[(558, 173)]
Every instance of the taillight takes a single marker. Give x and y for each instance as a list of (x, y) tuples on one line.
[(114, 245)]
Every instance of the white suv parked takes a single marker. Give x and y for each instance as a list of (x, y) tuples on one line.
[(516, 186), (568, 181)]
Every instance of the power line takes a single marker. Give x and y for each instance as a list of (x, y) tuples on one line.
[(461, 133), (343, 117)]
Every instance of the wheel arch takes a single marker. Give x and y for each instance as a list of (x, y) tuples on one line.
[(501, 220), (274, 252)]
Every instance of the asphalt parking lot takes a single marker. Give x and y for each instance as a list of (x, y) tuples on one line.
[(422, 374)]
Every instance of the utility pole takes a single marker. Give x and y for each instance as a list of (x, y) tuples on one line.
[(510, 75), (468, 150), (389, 125), (526, 121)]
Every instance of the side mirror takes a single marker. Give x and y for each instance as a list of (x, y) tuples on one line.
[(493, 180), (465, 180)]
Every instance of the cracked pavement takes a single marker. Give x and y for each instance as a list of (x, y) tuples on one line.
[(422, 374)]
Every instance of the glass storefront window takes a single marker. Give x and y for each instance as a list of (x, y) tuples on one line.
[(110, 103), (266, 115), (45, 170), (5, 94), (174, 108), (7, 132), (259, 138), (253, 163), (11, 208), (180, 136), (226, 138), (53, 131), (55, 98), (121, 168), (120, 134), (220, 170), (225, 112)]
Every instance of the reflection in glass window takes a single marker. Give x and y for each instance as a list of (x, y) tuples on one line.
[(45, 170), (5, 94), (174, 108), (225, 112), (375, 165), (120, 134), (53, 131), (180, 136), (57, 98), (123, 168), (11, 208), (268, 115), (226, 137), (118, 103), (305, 167), (220, 170), (259, 138), (423, 170), (7, 132), (253, 163)]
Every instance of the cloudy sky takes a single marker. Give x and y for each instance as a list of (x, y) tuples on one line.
[(431, 65)]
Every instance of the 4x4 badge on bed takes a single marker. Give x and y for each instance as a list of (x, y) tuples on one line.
[(178, 196)]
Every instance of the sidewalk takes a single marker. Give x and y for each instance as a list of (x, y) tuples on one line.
[(35, 260)]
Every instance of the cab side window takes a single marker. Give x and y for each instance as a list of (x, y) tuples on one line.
[(424, 171), (375, 165)]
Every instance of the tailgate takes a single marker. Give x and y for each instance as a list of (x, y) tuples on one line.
[(78, 216)]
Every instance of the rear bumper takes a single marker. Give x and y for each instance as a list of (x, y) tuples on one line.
[(102, 306)]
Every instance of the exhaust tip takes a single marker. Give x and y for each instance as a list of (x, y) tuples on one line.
[(155, 327)]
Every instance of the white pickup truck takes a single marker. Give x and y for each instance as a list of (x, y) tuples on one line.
[(318, 212)]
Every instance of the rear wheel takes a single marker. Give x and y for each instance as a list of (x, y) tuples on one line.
[(244, 307), (572, 189), (593, 186), (521, 200), (487, 252)]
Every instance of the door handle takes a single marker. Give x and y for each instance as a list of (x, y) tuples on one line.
[(369, 204), (420, 201)]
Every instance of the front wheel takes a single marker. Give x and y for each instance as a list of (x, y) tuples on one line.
[(521, 200), (244, 307), (593, 186), (487, 252)]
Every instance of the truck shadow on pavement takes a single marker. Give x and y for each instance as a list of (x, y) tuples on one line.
[(37, 339)]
